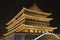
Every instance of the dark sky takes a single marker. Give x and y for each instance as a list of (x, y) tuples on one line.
[(9, 8)]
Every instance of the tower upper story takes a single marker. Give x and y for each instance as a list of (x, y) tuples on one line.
[(33, 11)]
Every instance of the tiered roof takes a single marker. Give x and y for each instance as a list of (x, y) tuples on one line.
[(17, 24), (34, 9)]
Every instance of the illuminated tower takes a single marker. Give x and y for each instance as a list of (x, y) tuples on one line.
[(29, 23)]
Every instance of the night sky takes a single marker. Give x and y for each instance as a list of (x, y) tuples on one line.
[(9, 8)]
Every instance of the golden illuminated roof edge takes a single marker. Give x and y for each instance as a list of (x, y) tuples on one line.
[(14, 18), (24, 9), (8, 33), (23, 26), (30, 17)]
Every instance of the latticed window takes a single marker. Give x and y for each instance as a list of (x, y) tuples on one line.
[(36, 22), (32, 22), (44, 23)]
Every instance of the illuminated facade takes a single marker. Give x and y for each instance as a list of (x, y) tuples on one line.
[(28, 24)]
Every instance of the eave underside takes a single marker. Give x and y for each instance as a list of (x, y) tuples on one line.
[(24, 16), (31, 29)]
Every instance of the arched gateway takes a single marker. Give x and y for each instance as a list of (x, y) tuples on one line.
[(52, 37)]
